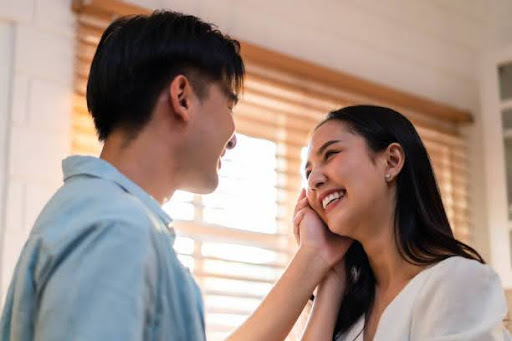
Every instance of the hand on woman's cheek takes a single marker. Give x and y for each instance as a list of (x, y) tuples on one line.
[(314, 206), (311, 232)]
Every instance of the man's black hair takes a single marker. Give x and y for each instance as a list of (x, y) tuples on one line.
[(138, 56)]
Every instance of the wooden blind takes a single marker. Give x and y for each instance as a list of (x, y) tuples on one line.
[(283, 99)]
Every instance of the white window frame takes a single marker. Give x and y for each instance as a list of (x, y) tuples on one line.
[(495, 201)]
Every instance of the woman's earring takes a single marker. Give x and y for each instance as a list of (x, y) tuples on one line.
[(388, 177)]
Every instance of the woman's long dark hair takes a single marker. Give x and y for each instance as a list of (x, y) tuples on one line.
[(422, 231)]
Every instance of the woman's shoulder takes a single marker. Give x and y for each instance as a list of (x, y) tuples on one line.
[(460, 297), (457, 281), (460, 278), (458, 270)]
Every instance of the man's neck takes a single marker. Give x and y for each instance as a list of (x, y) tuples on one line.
[(138, 159)]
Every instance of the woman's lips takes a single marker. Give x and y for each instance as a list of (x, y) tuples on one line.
[(333, 204)]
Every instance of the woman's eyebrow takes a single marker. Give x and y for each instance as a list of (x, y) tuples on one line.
[(325, 145), (321, 150)]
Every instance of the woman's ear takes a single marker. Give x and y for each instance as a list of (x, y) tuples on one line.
[(395, 159), (180, 97)]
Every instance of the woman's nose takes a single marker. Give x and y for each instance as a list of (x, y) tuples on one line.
[(316, 180)]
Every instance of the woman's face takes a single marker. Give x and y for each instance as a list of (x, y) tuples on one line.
[(346, 181)]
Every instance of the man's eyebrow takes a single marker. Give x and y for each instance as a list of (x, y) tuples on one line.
[(321, 150), (230, 94)]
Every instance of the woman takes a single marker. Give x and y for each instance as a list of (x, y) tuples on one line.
[(405, 277), (375, 241)]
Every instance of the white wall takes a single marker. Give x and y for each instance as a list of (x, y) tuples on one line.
[(6, 61), (424, 47), (431, 48), (38, 119), (498, 49)]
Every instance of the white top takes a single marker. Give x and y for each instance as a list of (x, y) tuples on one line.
[(456, 299)]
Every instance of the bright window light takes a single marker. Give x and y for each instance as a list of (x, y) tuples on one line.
[(181, 206), (240, 253), (304, 159), (246, 198)]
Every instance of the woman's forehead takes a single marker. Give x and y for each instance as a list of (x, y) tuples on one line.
[(330, 130)]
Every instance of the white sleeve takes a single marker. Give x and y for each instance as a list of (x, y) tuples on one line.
[(462, 300)]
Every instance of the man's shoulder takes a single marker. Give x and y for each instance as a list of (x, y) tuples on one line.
[(97, 196), (84, 220), (91, 203)]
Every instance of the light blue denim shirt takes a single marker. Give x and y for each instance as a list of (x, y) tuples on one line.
[(100, 265)]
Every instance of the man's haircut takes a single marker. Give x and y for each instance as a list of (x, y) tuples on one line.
[(138, 56)]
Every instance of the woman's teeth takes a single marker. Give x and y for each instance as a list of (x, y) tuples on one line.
[(332, 197)]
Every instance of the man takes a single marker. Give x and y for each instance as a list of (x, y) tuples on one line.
[(99, 262)]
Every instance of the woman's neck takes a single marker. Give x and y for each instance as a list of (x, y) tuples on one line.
[(388, 266)]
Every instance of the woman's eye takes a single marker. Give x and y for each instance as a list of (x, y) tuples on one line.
[(307, 174), (329, 153)]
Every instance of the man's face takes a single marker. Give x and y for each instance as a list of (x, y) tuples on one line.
[(212, 131)]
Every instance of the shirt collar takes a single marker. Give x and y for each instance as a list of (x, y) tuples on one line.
[(92, 166)]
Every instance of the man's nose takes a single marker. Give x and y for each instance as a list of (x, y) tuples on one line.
[(232, 142)]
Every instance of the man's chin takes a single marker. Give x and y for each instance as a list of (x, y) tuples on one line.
[(206, 190), (205, 186)]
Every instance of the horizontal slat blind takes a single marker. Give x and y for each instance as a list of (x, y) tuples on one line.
[(235, 245)]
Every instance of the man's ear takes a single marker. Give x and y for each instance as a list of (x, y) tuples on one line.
[(395, 159), (180, 97)]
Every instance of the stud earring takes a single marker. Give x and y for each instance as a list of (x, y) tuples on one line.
[(388, 177)]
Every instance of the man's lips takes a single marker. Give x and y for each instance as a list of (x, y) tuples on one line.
[(219, 164)]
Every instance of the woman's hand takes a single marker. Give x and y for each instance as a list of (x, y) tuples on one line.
[(312, 234), (338, 272)]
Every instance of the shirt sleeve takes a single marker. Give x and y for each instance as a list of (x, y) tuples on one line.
[(99, 285), (463, 300)]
